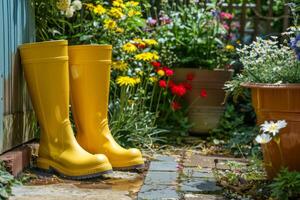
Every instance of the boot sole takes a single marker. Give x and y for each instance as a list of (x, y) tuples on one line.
[(52, 171), (138, 167), (53, 168)]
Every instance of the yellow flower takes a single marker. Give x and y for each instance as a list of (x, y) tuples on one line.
[(116, 12), (131, 4), (147, 56), (229, 47), (63, 5), (139, 41), (133, 13), (128, 47), (137, 80), (120, 30), (161, 72), (109, 24), (153, 79), (119, 65), (126, 81), (118, 3), (99, 10), (90, 6), (151, 42)]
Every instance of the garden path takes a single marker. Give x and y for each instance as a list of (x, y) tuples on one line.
[(181, 174)]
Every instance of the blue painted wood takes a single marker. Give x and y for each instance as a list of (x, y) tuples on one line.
[(16, 116)]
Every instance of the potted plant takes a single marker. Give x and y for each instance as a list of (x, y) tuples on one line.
[(272, 72), (197, 36)]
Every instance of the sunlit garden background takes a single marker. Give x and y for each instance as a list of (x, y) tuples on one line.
[(188, 74)]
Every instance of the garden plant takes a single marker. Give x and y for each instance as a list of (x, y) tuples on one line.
[(182, 69)]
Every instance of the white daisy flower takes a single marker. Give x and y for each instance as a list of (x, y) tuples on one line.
[(70, 12), (263, 138), (273, 127), (77, 5)]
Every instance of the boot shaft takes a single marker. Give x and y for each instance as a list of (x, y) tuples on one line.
[(90, 78), (46, 72)]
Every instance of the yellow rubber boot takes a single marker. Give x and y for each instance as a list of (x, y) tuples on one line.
[(47, 74), (89, 80)]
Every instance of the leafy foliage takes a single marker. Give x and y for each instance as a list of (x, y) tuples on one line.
[(6, 182), (195, 34), (237, 126), (243, 180), (134, 127), (286, 185)]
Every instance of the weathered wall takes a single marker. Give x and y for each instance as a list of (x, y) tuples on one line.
[(17, 121)]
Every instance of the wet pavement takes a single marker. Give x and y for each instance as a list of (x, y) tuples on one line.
[(119, 185), (169, 177), (183, 174)]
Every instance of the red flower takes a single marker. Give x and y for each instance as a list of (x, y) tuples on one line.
[(162, 84), (225, 15), (168, 71), (187, 85), (175, 105), (156, 64), (190, 76), (178, 90), (171, 84), (203, 93)]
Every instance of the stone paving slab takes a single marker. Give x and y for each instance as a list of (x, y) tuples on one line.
[(65, 192), (192, 172), (200, 186), (163, 163), (158, 192), (202, 197), (198, 160), (161, 178)]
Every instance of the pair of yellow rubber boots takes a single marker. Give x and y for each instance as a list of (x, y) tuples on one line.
[(47, 67)]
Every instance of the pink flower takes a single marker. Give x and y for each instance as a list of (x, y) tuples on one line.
[(225, 25), (225, 15), (165, 20), (151, 21)]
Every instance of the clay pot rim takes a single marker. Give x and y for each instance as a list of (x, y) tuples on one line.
[(271, 86)]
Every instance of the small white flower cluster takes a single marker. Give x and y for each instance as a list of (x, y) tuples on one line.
[(270, 130), (68, 8), (268, 61)]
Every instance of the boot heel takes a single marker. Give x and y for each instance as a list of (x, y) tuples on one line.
[(43, 164)]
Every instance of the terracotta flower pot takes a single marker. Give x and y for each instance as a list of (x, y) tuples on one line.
[(205, 113), (279, 102)]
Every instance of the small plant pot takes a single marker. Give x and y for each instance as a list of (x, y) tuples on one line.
[(204, 113), (279, 102)]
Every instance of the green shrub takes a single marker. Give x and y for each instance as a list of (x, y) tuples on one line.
[(6, 182), (286, 185)]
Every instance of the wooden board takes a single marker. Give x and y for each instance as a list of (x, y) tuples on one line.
[(17, 120)]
